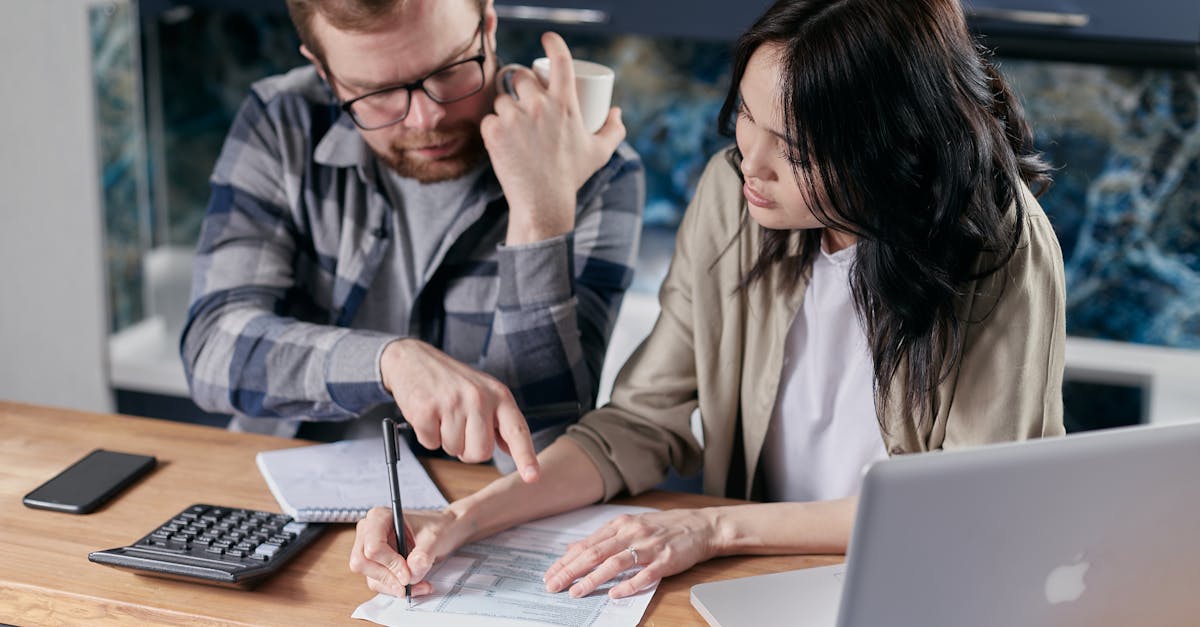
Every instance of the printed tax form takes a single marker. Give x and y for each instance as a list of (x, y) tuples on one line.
[(498, 580)]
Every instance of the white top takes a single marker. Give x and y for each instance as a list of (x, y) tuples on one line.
[(823, 429)]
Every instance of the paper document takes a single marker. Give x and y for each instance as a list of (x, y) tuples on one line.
[(339, 482), (499, 581)]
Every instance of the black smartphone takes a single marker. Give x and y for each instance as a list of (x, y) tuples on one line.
[(90, 482)]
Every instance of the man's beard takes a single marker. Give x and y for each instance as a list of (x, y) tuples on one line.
[(468, 155)]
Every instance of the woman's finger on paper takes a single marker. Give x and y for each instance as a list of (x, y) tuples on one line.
[(586, 561), (613, 565), (573, 551), (639, 581)]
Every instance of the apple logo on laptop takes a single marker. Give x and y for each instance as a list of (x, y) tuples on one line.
[(1065, 584)]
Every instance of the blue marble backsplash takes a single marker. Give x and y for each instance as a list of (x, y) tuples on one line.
[(1126, 201), (1126, 142), (121, 137)]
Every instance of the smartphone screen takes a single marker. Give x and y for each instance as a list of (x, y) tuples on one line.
[(89, 482)]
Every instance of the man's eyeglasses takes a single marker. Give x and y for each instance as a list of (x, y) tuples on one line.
[(387, 106)]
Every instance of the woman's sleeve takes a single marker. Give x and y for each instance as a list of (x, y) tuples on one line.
[(646, 428), (1009, 386)]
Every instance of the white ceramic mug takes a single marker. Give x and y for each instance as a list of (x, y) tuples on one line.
[(593, 85)]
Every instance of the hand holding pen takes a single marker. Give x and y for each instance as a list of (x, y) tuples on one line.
[(391, 569), (391, 450)]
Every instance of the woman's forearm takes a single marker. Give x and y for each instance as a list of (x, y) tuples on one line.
[(569, 480), (821, 527)]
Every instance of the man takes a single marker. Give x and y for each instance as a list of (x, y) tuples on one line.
[(386, 228)]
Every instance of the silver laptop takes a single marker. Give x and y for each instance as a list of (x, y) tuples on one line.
[(1093, 529)]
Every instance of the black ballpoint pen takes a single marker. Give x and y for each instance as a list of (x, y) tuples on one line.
[(390, 451)]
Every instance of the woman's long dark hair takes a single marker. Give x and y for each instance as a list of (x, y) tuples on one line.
[(906, 136)]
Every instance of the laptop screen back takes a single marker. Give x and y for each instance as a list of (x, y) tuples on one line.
[(1094, 529)]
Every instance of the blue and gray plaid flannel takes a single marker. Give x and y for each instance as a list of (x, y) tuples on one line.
[(294, 235)]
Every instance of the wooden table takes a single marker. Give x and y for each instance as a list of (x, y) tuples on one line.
[(45, 577)]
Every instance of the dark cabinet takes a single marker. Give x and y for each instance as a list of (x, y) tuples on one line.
[(1162, 21), (699, 19), (1163, 33), (1168, 25)]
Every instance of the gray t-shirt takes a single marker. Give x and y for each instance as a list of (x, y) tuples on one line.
[(424, 214)]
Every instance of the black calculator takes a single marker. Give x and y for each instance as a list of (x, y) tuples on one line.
[(223, 546)]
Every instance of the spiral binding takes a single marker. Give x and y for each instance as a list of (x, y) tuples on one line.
[(326, 515)]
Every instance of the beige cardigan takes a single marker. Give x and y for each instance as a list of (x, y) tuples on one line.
[(722, 350)]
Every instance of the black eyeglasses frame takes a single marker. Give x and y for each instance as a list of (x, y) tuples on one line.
[(348, 105)]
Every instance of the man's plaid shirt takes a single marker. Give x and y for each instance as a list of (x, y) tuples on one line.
[(296, 230)]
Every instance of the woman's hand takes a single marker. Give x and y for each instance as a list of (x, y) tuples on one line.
[(433, 535), (665, 543)]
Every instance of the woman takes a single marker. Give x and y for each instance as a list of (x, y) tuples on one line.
[(865, 274)]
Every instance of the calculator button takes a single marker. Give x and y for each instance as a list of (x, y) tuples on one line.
[(267, 550), (295, 528), (193, 512)]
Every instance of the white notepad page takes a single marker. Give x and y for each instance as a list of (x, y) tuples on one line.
[(339, 482)]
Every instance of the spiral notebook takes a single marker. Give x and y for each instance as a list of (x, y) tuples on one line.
[(339, 482)]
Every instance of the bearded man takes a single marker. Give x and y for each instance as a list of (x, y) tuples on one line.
[(388, 230)]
